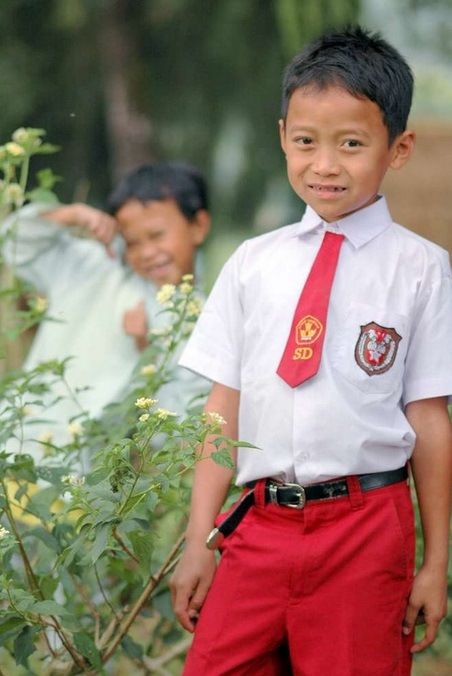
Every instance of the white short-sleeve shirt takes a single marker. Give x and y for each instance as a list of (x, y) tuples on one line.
[(349, 418)]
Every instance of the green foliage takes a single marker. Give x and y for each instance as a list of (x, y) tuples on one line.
[(83, 556)]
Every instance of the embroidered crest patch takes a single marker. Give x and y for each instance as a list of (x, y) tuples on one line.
[(376, 348), (308, 330)]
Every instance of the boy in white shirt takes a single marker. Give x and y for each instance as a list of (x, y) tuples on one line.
[(105, 302), (339, 388)]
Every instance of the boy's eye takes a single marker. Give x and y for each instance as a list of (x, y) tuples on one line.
[(352, 143), (303, 140)]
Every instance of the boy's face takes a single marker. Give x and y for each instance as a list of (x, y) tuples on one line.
[(337, 151), (160, 241)]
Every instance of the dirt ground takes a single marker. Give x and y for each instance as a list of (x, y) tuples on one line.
[(420, 194)]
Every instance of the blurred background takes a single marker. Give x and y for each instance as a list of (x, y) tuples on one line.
[(119, 82)]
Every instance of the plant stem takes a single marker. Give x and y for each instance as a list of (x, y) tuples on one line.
[(123, 545), (177, 649), (33, 583), (140, 602), (104, 595)]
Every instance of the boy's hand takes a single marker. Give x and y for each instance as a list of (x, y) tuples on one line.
[(134, 323), (190, 583), (97, 223), (428, 602)]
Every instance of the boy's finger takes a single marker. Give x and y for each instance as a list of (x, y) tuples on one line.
[(428, 638), (198, 597), (410, 618), (181, 598), (110, 251)]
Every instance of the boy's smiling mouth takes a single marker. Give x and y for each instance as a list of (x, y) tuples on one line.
[(322, 189)]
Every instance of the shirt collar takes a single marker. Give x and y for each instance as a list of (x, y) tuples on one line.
[(359, 227)]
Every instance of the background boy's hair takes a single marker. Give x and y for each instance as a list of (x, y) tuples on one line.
[(162, 181), (362, 63)]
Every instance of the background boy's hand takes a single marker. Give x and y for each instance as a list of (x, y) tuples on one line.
[(135, 324), (190, 583), (97, 223), (428, 599)]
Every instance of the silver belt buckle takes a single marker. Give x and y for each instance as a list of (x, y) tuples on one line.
[(301, 495)]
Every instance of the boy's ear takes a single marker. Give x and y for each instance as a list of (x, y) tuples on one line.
[(402, 148), (282, 134), (200, 226)]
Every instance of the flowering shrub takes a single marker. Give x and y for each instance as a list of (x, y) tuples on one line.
[(84, 558)]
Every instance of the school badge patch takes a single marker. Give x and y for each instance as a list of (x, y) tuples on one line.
[(376, 348), (308, 330)]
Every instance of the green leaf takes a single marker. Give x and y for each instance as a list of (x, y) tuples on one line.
[(42, 195), (24, 645), (21, 491), (47, 179), (133, 501), (40, 503), (44, 536), (142, 548), (10, 626), (223, 458), (131, 648), (48, 608), (48, 585), (52, 475), (99, 546), (97, 476), (243, 444), (85, 645)]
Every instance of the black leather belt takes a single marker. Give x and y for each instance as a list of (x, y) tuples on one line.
[(296, 496)]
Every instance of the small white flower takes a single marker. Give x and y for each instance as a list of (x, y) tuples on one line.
[(74, 429), (144, 418), (216, 418), (163, 413), (187, 278), (28, 410), (14, 149), (73, 480), (165, 293), (14, 193), (194, 307), (145, 402), (161, 331), (21, 135), (3, 533), (45, 438), (186, 288), (148, 370), (40, 304)]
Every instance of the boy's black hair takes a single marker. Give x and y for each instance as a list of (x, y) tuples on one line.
[(362, 63), (161, 181)]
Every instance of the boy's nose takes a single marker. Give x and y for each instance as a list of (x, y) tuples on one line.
[(147, 251), (325, 163)]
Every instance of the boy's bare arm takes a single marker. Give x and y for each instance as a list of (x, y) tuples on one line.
[(195, 571), (432, 471), (97, 223)]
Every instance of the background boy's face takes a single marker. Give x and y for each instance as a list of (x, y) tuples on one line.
[(160, 241), (337, 152)]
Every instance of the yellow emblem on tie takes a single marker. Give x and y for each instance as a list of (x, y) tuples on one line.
[(308, 330)]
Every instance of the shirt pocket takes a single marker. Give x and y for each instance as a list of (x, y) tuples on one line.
[(370, 347)]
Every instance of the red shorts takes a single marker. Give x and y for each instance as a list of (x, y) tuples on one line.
[(321, 590)]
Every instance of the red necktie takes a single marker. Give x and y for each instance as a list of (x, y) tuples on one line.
[(301, 358)]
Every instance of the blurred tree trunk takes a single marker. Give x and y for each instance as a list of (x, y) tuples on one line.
[(129, 129)]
